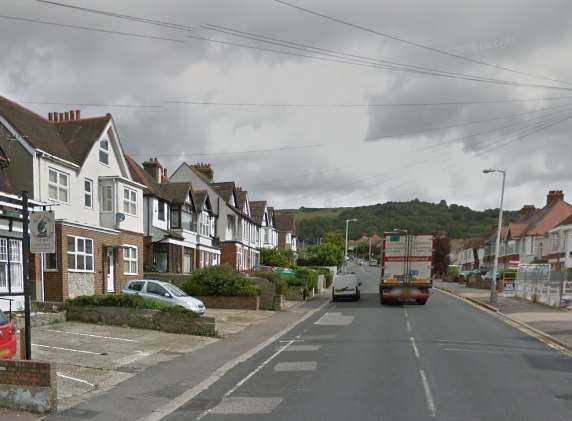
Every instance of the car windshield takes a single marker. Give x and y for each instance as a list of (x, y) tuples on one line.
[(175, 290)]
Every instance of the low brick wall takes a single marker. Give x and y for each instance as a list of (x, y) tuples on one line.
[(41, 319), (240, 303), (267, 292), (28, 386), (186, 323), (294, 294)]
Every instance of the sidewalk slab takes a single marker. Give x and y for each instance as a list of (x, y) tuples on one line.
[(552, 321)]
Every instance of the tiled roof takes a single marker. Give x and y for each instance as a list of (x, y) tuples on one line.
[(257, 210), (548, 218), (225, 189), (285, 222), (5, 185), (80, 135), (177, 192), (567, 221), (143, 177), (68, 140)]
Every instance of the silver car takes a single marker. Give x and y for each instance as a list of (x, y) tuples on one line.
[(164, 292)]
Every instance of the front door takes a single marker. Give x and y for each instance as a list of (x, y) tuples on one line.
[(110, 270)]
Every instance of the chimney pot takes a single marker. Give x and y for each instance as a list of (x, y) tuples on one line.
[(67, 116), (50, 117), (554, 196), (205, 169), (61, 116), (77, 114)]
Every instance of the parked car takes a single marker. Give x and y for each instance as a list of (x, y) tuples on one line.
[(7, 338), (373, 263), (285, 272), (164, 292)]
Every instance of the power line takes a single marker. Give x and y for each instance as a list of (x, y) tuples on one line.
[(413, 43), (155, 22), (91, 29), (89, 104), (341, 57), (370, 105), (285, 148), (465, 123)]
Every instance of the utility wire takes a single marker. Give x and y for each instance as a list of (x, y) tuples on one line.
[(155, 22), (89, 104), (413, 43), (465, 123), (285, 148), (91, 29), (376, 64), (370, 105)]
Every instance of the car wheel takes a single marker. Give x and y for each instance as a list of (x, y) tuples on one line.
[(358, 295), (334, 298)]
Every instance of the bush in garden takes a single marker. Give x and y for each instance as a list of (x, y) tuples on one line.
[(220, 281), (273, 277)]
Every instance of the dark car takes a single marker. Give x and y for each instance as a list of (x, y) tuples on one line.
[(7, 337)]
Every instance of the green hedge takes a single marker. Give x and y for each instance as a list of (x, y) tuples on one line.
[(310, 276), (124, 300), (219, 281), (328, 277), (273, 277)]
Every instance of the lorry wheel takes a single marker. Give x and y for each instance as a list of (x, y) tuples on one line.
[(381, 298), (421, 302)]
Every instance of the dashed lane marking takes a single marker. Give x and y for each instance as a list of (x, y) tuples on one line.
[(67, 349), (483, 351), (302, 348), (296, 366), (334, 319), (246, 406), (428, 394), (414, 345)]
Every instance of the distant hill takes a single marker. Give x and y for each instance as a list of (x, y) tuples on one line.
[(416, 216)]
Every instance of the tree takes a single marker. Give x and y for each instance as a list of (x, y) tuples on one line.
[(326, 254), (276, 257), (335, 238), (441, 254)]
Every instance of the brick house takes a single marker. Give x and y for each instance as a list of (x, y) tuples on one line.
[(77, 166)]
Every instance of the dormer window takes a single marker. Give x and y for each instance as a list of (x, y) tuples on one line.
[(104, 151)]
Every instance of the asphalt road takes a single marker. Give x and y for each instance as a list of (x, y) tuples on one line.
[(360, 361)]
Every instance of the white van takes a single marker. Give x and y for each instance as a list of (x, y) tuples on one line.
[(346, 285)]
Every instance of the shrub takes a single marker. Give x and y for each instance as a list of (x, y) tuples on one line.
[(453, 273), (126, 301), (328, 277), (276, 257), (221, 281), (295, 282), (273, 277), (310, 276)]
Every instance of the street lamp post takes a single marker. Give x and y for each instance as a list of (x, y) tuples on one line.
[(493, 298), (346, 252)]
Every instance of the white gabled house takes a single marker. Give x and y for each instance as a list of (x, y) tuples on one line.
[(78, 167)]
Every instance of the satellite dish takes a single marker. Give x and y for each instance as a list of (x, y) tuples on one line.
[(119, 217)]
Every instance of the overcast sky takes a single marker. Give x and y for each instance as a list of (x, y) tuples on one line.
[(348, 159)]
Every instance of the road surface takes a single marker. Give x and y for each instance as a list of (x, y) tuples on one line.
[(361, 361)]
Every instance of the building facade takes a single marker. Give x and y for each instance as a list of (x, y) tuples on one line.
[(77, 167)]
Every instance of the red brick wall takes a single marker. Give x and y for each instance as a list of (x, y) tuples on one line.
[(228, 254), (56, 283)]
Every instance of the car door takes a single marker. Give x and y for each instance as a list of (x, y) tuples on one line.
[(156, 292)]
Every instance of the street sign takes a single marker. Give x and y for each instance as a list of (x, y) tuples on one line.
[(42, 232)]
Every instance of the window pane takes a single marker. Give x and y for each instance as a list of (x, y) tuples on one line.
[(104, 144), (71, 243), (87, 200), (133, 209), (126, 194), (53, 192), (88, 262), (63, 180), (134, 196), (51, 261), (133, 267), (126, 267), (71, 261), (63, 195), (103, 157), (88, 246), (80, 245), (87, 185), (53, 176), (125, 206), (80, 262)]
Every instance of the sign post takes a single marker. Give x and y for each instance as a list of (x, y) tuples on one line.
[(25, 270), (42, 232)]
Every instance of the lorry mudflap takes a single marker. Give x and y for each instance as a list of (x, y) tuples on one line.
[(404, 294)]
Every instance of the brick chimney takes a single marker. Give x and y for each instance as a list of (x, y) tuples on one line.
[(204, 169), (154, 169), (527, 210), (164, 178), (554, 196)]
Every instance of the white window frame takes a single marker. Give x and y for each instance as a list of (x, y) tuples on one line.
[(58, 186), (130, 260), (204, 224), (89, 193), (76, 253), (130, 201), (104, 151)]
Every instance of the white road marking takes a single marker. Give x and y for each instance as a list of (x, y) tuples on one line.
[(428, 394), (485, 351), (334, 319), (246, 406), (296, 366), (170, 407), (90, 335), (67, 349), (407, 323), (292, 340), (303, 348), (257, 369), (414, 345), (461, 342), (63, 376), (408, 326)]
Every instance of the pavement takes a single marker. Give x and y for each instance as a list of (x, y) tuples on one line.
[(555, 323)]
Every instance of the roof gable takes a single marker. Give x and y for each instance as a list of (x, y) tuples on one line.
[(258, 211), (285, 222), (80, 136)]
